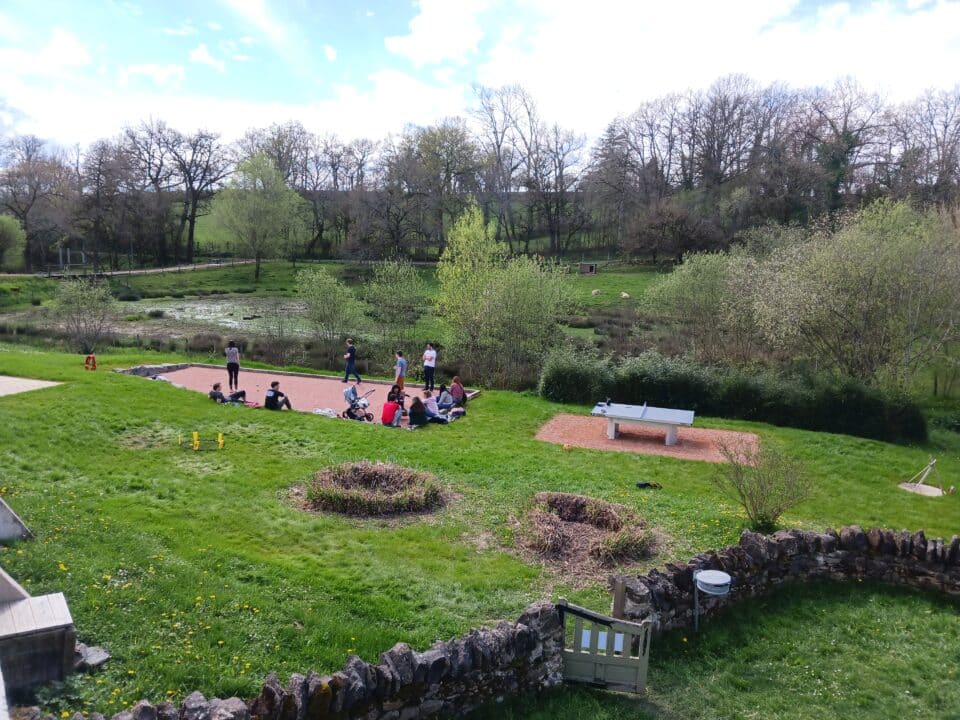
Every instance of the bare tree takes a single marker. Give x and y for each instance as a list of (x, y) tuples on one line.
[(202, 164), (33, 188)]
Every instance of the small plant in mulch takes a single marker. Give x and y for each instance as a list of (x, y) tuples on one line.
[(373, 488), (575, 528)]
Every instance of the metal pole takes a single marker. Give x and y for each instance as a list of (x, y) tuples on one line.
[(696, 605)]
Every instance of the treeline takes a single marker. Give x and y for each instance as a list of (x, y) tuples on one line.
[(684, 172)]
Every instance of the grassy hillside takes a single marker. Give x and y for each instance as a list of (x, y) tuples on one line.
[(198, 574)]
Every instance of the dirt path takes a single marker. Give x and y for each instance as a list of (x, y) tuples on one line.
[(13, 385)]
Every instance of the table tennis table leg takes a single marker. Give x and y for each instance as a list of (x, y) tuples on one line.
[(672, 435), (612, 429)]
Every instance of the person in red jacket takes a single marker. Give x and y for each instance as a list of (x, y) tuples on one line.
[(392, 413)]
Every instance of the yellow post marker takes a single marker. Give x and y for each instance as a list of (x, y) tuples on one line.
[(196, 441), (219, 441)]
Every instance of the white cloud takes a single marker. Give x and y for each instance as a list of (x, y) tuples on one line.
[(585, 68), (184, 29), (201, 55), (215, 26), (246, 40), (369, 13), (257, 14), (443, 30), (8, 29), (164, 76), (330, 52), (62, 54)]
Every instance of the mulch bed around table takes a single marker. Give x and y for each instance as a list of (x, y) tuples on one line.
[(591, 432)]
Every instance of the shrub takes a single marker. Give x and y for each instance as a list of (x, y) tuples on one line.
[(127, 294), (580, 321), (373, 488), (822, 402), (660, 380), (205, 343), (156, 314), (763, 480), (579, 378)]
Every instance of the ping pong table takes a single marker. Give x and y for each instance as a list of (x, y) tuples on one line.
[(618, 414)]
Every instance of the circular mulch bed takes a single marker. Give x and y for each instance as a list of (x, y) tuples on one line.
[(576, 530), (373, 488)]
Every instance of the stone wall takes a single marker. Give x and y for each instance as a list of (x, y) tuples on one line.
[(760, 563), (448, 680)]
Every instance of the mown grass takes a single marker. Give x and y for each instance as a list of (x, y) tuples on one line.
[(611, 280), (22, 292), (821, 650), (197, 574)]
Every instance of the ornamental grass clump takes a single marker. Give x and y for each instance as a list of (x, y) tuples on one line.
[(567, 527), (373, 488)]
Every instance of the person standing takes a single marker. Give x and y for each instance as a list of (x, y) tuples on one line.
[(233, 365), (351, 357), (429, 366), (400, 371)]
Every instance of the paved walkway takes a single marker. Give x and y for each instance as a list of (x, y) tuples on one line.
[(13, 385)]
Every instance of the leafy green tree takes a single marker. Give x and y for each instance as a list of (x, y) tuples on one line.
[(84, 308), (397, 298), (12, 240), (877, 300), (259, 210), (332, 310), (501, 315)]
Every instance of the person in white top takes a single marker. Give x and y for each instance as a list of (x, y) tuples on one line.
[(233, 365), (429, 366)]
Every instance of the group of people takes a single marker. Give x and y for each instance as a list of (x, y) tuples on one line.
[(446, 405), (275, 399), (438, 407)]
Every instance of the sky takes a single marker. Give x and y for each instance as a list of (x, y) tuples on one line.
[(74, 71)]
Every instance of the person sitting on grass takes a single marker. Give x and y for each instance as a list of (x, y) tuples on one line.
[(431, 408), (235, 397), (392, 413), (398, 396), (457, 392), (418, 413), (445, 399), (276, 400)]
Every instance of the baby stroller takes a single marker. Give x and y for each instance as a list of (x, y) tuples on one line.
[(357, 406)]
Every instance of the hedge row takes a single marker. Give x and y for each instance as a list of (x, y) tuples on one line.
[(822, 403)]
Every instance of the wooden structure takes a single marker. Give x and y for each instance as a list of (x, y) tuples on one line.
[(588, 268), (37, 637), (603, 651)]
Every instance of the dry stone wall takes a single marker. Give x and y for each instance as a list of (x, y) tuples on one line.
[(448, 680), (760, 563)]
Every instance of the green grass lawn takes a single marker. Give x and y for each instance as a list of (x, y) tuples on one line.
[(197, 574), (22, 292), (823, 650), (611, 281)]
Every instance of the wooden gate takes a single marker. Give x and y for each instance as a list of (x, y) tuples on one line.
[(604, 651)]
